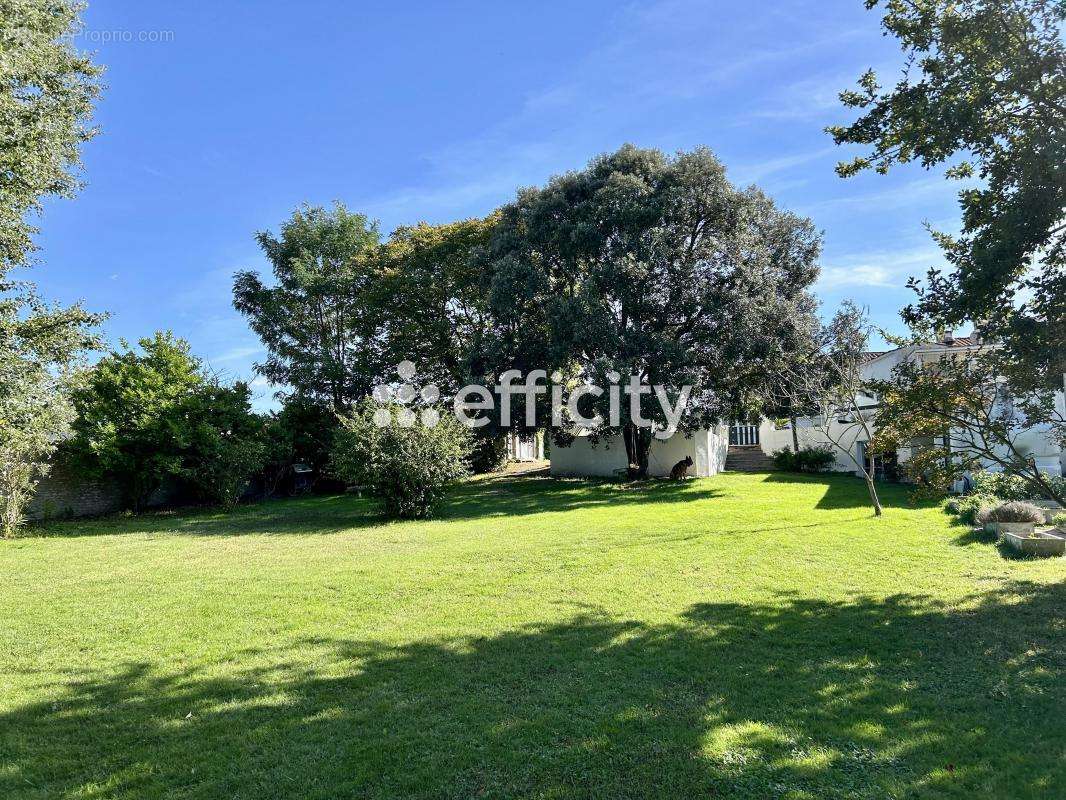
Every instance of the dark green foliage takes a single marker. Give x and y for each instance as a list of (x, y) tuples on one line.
[(321, 319), (807, 459), (223, 442), (984, 91), (488, 453), (301, 432), (968, 507), (657, 266), (409, 469), (149, 416)]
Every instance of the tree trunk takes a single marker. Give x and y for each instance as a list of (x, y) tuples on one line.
[(873, 493), (638, 443), (795, 435), (629, 437), (643, 446)]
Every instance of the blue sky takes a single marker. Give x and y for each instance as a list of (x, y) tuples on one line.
[(220, 118)]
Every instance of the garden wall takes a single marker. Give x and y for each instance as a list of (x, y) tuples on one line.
[(64, 494), (706, 448)]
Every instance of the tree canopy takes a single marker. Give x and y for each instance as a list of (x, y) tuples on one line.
[(436, 305), (656, 266), (47, 91), (321, 318), (984, 90)]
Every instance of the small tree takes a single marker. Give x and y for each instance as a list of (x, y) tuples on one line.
[(831, 381), (408, 466), (972, 414)]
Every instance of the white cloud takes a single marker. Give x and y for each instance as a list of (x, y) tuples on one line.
[(237, 354), (885, 269)]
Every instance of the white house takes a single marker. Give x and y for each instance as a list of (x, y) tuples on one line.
[(748, 447)]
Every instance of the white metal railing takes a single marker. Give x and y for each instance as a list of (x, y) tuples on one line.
[(743, 435)]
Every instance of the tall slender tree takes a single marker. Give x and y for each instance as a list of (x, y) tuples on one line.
[(47, 91), (321, 319)]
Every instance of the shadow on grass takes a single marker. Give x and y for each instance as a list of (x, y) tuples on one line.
[(848, 491), (484, 498), (315, 514), (538, 493), (798, 698)]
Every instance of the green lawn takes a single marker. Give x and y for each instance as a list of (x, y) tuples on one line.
[(744, 636)]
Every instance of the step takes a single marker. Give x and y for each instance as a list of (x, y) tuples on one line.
[(747, 458)]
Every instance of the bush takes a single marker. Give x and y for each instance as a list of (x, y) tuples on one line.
[(1001, 484), (1059, 522), (489, 453), (301, 432), (224, 443), (968, 508), (147, 417), (409, 468), (808, 459), (1015, 511), (1014, 487)]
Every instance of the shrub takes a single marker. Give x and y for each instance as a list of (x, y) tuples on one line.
[(1015, 511), (224, 443), (1014, 487), (808, 459), (488, 453), (409, 468), (968, 508), (1059, 522), (1001, 484), (151, 416), (301, 432)]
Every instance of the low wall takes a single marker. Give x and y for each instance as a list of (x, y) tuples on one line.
[(707, 449), (63, 494)]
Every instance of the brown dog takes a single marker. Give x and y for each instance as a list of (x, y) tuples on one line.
[(680, 470)]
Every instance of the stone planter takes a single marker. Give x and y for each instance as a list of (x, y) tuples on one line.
[(1040, 544), (1021, 528), (1049, 507), (1001, 528)]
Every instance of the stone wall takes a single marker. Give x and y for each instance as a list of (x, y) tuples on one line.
[(63, 494)]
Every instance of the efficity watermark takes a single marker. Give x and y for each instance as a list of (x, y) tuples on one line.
[(565, 405)]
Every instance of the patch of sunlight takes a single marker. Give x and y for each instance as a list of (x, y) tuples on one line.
[(810, 759), (735, 740), (866, 729)]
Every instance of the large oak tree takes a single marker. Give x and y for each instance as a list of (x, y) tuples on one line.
[(656, 266)]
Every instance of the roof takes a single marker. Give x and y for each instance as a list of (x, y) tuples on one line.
[(870, 356)]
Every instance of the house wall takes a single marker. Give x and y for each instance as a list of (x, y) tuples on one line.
[(1036, 443), (707, 449)]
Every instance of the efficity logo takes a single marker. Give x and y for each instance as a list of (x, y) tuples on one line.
[(399, 401)]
